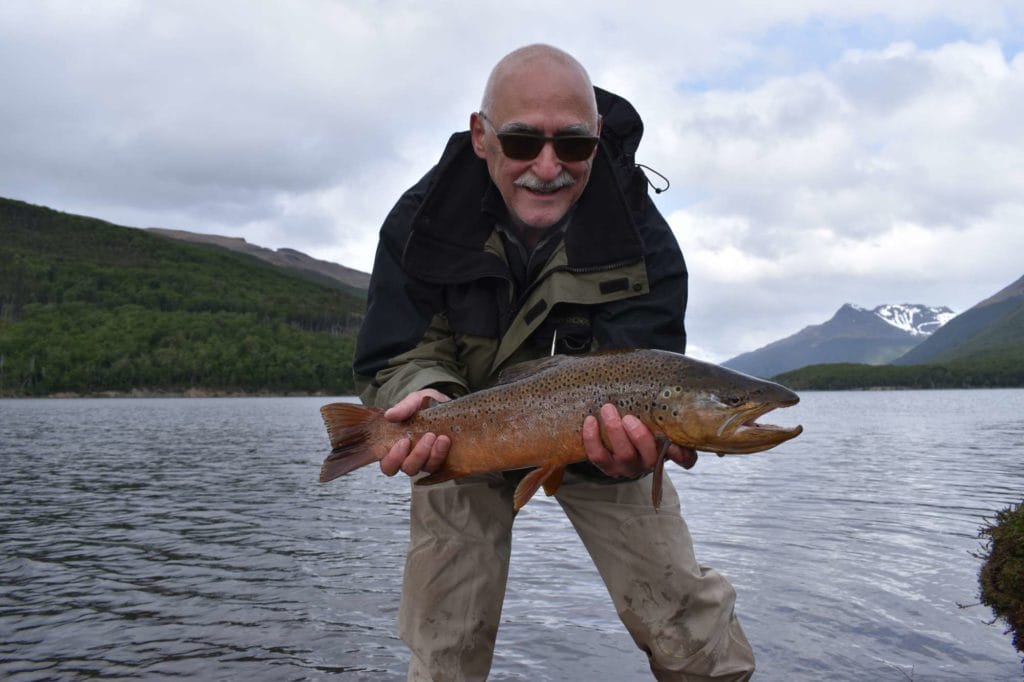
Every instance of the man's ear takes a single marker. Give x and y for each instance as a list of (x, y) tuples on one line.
[(476, 132)]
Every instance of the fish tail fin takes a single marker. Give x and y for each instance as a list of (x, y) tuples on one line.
[(349, 428)]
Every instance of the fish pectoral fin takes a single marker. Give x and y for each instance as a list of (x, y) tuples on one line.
[(659, 472), (532, 481), (554, 481), (428, 402)]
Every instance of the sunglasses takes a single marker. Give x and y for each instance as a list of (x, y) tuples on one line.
[(569, 147)]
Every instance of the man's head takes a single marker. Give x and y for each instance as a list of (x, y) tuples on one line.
[(537, 90)]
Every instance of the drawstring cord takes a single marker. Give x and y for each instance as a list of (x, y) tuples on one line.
[(657, 190)]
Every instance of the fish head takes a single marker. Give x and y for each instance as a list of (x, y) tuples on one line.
[(715, 409)]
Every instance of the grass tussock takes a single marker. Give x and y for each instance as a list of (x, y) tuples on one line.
[(1002, 572)]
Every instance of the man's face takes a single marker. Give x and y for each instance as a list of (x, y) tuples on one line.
[(540, 191)]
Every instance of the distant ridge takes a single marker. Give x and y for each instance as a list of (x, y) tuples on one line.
[(993, 326), (1015, 290), (854, 334), (980, 348), (286, 258)]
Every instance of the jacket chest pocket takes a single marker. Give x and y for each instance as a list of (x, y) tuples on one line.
[(566, 330)]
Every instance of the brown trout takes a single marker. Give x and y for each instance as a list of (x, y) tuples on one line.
[(533, 416)]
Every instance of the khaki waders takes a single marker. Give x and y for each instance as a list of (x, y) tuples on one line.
[(457, 567)]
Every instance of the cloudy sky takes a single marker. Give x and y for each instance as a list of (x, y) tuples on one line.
[(819, 152)]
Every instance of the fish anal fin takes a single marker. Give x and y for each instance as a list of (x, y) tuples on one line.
[(532, 481), (554, 481)]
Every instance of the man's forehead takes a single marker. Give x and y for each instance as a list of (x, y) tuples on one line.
[(515, 126), (539, 108)]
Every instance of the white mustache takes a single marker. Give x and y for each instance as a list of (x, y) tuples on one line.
[(530, 181)]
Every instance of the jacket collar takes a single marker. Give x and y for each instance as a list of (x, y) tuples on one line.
[(462, 206)]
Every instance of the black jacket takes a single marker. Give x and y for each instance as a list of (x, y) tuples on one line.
[(443, 309)]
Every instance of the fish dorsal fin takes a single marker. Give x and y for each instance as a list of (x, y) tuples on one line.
[(529, 368)]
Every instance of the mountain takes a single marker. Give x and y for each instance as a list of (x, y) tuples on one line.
[(990, 328), (981, 348), (285, 258), (852, 335), (89, 307)]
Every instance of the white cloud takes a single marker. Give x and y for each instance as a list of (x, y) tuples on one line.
[(864, 152), (889, 175)]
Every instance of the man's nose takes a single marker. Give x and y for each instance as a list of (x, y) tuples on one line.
[(547, 165)]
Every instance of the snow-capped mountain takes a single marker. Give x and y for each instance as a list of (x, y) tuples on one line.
[(854, 334), (919, 320)]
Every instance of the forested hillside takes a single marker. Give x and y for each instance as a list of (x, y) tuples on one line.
[(89, 307), (995, 324), (1003, 368)]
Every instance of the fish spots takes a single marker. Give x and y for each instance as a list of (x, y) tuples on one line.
[(668, 403), (628, 402)]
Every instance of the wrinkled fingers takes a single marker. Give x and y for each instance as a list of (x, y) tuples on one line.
[(642, 443), (391, 463), (413, 403), (419, 455), (594, 448), (438, 453)]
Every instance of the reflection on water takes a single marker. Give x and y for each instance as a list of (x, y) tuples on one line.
[(188, 537)]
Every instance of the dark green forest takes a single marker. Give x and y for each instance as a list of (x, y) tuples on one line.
[(1002, 368), (89, 307)]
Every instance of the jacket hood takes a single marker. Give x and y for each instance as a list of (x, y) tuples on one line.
[(623, 127)]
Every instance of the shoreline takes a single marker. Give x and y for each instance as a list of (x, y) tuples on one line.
[(189, 393)]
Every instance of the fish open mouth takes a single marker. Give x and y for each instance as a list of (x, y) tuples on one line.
[(742, 433)]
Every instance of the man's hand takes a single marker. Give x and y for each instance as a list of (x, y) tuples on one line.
[(634, 449), (430, 450)]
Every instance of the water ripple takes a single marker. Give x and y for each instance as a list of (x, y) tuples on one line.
[(188, 538)]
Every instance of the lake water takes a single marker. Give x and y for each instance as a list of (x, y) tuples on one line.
[(152, 538)]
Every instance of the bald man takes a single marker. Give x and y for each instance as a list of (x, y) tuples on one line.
[(534, 234)]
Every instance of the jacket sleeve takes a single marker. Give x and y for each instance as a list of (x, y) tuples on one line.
[(656, 319), (404, 343)]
